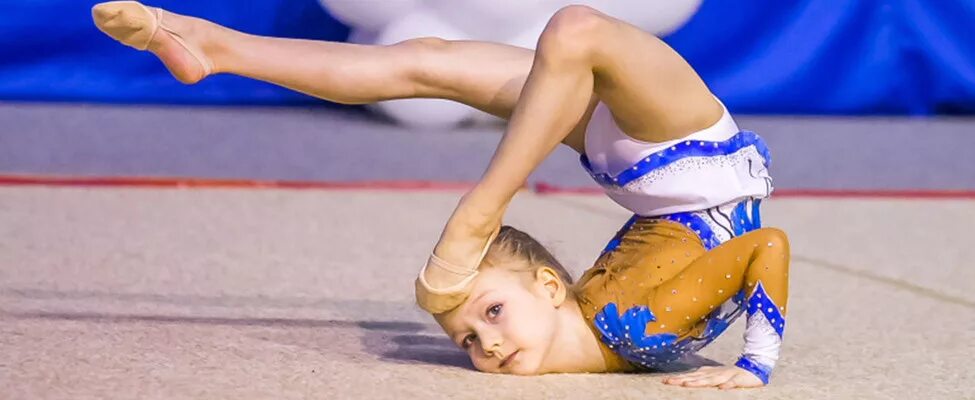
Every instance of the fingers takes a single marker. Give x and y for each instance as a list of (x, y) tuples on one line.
[(679, 379), (721, 377), (710, 380), (730, 384)]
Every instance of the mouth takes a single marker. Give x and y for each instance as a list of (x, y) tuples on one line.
[(507, 360)]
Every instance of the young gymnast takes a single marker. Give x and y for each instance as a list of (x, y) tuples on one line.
[(647, 129), (655, 298)]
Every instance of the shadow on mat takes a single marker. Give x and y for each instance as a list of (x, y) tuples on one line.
[(403, 342), (390, 341)]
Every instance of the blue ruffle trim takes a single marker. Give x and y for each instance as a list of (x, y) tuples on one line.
[(695, 223), (685, 149), (742, 222)]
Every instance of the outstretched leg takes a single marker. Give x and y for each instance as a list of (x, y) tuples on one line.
[(487, 76)]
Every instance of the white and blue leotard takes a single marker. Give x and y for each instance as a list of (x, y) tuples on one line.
[(713, 182)]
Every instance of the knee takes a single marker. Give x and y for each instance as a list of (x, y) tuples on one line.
[(573, 31), (417, 61), (422, 44)]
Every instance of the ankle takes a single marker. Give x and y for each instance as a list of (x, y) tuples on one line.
[(218, 44)]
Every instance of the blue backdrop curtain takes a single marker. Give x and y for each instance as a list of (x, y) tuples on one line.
[(781, 57), (51, 51)]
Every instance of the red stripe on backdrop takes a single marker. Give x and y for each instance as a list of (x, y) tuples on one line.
[(888, 194), (541, 187), (805, 193)]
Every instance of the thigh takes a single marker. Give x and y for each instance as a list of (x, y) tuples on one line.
[(485, 75), (652, 92), (488, 76)]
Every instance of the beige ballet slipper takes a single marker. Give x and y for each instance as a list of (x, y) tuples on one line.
[(135, 25), (437, 300)]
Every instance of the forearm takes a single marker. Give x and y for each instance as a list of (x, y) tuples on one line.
[(760, 365), (768, 283)]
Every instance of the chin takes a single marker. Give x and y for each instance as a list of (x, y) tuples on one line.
[(526, 364)]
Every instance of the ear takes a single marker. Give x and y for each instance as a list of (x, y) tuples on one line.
[(551, 285)]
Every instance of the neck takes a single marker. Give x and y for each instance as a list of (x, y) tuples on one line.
[(575, 347)]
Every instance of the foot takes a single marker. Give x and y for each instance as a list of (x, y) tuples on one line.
[(178, 41), (721, 377)]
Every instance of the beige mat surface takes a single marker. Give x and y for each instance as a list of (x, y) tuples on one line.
[(257, 294)]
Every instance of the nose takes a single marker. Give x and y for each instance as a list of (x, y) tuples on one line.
[(491, 344)]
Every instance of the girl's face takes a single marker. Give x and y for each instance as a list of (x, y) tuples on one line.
[(508, 323)]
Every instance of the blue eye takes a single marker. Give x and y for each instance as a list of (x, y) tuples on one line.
[(468, 341), (494, 311)]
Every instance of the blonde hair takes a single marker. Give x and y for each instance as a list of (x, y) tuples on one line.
[(512, 242), (509, 245)]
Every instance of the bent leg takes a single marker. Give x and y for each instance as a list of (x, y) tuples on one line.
[(652, 92), (584, 56)]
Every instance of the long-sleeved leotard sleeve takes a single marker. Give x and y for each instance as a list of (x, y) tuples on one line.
[(660, 294)]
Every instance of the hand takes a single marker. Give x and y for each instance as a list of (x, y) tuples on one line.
[(724, 377)]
